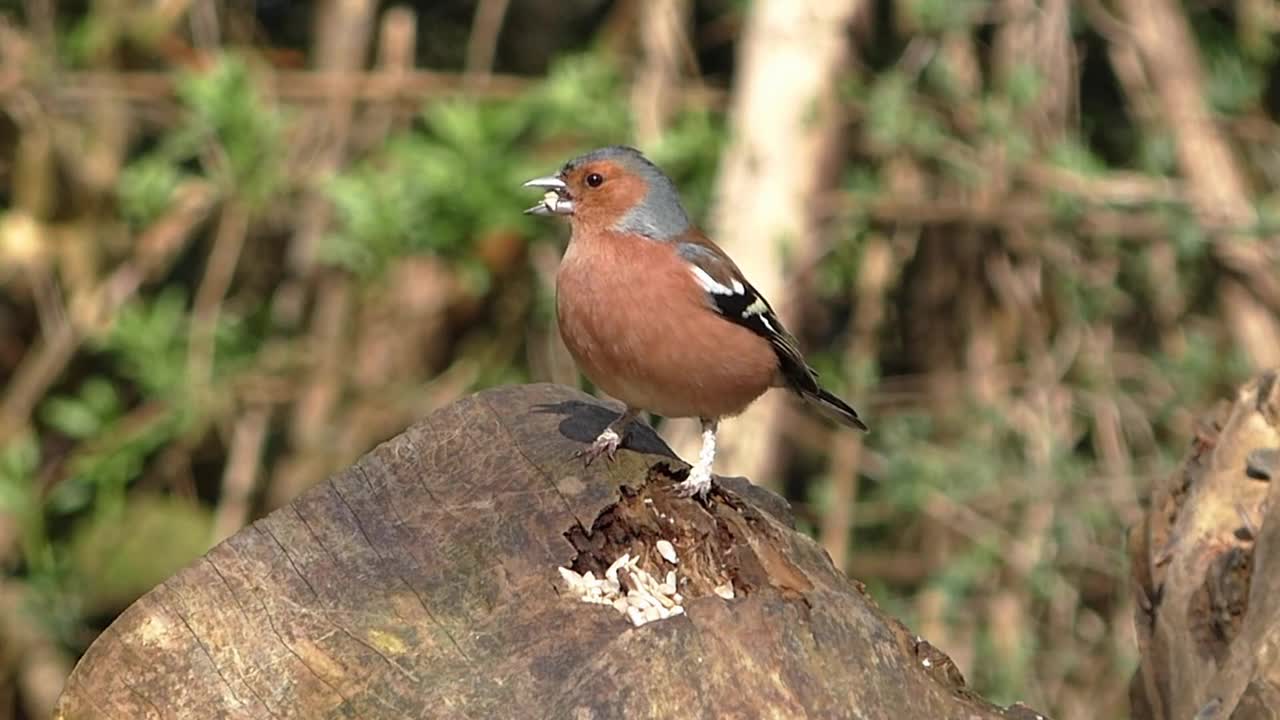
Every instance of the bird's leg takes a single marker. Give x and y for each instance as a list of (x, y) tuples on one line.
[(699, 480), (608, 441)]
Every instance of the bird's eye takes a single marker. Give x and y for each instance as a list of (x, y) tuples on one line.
[(594, 179)]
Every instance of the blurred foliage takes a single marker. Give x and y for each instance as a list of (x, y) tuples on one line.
[(460, 172), (117, 556), (990, 507)]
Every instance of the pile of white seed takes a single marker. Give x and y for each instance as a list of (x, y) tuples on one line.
[(646, 599)]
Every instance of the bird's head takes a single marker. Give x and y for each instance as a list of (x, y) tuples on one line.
[(614, 188)]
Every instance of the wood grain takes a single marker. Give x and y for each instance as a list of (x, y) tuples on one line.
[(422, 582)]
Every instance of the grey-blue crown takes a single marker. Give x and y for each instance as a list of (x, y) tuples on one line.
[(660, 215)]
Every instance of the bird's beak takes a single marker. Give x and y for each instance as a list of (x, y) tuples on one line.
[(555, 201)]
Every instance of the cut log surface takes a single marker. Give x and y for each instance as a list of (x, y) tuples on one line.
[(1206, 570), (423, 582)]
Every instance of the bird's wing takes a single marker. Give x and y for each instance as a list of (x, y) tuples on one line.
[(730, 295)]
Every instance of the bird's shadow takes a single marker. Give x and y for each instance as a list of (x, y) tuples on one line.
[(583, 422)]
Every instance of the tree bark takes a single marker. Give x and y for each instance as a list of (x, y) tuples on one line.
[(1206, 570), (423, 582)]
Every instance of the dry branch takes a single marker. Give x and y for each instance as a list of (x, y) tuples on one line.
[(1205, 575), (220, 268), (74, 90), (157, 247), (664, 42), (482, 45), (244, 457), (343, 31)]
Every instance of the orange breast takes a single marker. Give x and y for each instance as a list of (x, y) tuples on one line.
[(638, 325)]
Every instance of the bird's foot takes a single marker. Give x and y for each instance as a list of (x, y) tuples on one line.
[(606, 444), (698, 484)]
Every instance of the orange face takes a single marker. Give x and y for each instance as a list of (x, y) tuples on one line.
[(601, 192), (613, 189), (597, 192)]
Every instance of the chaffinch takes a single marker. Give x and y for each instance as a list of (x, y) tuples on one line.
[(690, 336)]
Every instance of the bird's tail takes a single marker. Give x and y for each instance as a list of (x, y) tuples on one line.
[(834, 407)]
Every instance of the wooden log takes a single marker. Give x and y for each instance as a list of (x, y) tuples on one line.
[(423, 582), (1206, 570)]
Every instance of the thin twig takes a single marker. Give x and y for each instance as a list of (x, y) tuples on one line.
[(74, 89), (241, 471), (482, 45), (320, 391), (341, 47), (42, 366), (397, 43), (233, 226), (876, 272), (203, 18), (39, 369), (663, 35)]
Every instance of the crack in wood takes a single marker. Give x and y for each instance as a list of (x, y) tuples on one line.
[(399, 576), (235, 597)]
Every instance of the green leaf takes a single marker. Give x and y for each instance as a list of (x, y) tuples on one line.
[(1157, 153), (18, 463), (936, 16), (19, 458), (69, 496), (111, 462), (226, 108), (20, 497), (115, 557), (1072, 153), (583, 98), (145, 189), (100, 396), (1024, 85), (148, 340), (71, 417), (888, 110), (1234, 84)]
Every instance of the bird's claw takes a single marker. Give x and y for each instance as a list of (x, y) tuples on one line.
[(593, 451), (607, 445), (698, 484)]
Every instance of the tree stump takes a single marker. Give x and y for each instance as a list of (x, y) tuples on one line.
[(423, 582), (1206, 570)]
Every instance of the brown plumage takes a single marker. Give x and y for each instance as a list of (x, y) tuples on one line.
[(656, 314), (660, 350)]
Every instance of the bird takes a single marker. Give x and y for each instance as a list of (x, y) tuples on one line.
[(657, 315)]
